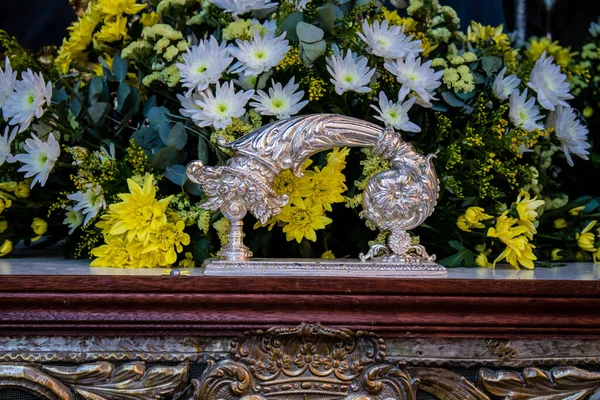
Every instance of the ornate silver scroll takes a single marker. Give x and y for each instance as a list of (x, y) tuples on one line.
[(396, 200)]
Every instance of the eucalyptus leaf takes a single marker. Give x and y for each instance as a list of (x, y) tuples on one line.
[(289, 25), (119, 68), (466, 96), (75, 106), (156, 115), (95, 90), (326, 17), (148, 105), (177, 136), (148, 139), (312, 51), (491, 64), (123, 92), (203, 150), (60, 95), (451, 99), (163, 130), (98, 112), (166, 157), (176, 174), (478, 78), (192, 188), (308, 33)]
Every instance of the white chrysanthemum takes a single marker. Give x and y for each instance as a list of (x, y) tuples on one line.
[(550, 84), (524, 113), (7, 81), (259, 54), (27, 100), (395, 114), (39, 158), (73, 219), (503, 87), (387, 42), (188, 104), (350, 73), (218, 109), (89, 202), (236, 7), (421, 79), (105, 154), (300, 5), (5, 142), (282, 102), (570, 132), (248, 82), (204, 64), (270, 25)]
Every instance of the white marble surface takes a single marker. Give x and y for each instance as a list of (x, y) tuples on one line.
[(38, 265)]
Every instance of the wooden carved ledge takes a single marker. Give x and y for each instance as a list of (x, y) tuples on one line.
[(306, 362)]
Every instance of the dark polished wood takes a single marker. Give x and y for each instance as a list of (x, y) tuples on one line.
[(197, 305)]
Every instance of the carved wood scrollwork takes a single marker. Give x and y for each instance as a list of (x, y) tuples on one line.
[(306, 362)]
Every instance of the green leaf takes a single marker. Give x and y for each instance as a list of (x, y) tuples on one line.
[(192, 188), (176, 174), (464, 257), (156, 115), (60, 95), (305, 249), (119, 68), (148, 139), (123, 91), (289, 25), (166, 157), (491, 64), (312, 51), (325, 16), (478, 78), (465, 96), (451, 99), (95, 89), (98, 112), (75, 106), (177, 136), (163, 130), (148, 105), (308, 33), (203, 150), (201, 248)]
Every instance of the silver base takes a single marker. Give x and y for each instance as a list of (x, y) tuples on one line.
[(323, 267)]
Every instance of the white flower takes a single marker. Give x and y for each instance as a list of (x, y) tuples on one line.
[(270, 25), (5, 142), (7, 81), (421, 79), (524, 113), (396, 114), (218, 109), (89, 202), (281, 101), (550, 84), (571, 133), (27, 100), (248, 82), (300, 5), (388, 42), (188, 104), (350, 73), (259, 54), (106, 154), (236, 7), (503, 87), (73, 219), (204, 64), (39, 158)]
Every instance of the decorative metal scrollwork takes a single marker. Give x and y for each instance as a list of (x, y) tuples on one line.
[(396, 200)]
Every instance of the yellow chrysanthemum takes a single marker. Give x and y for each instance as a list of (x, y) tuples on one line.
[(286, 183), (576, 210), (150, 19), (586, 239), (3, 225), (4, 204), (112, 254), (555, 256), (518, 252), (169, 239), (6, 248), (505, 229), (328, 255), (80, 36), (113, 31), (562, 55), (560, 223), (472, 219), (141, 257), (39, 227), (139, 213), (118, 7), (187, 262), (302, 221), (323, 187), (526, 207), (482, 261), (394, 19), (336, 159)]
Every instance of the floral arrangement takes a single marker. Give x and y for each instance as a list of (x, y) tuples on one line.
[(97, 135)]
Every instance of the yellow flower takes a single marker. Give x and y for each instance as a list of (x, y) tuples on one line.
[(6, 248), (482, 261), (526, 207), (150, 19), (3, 225), (169, 240), (302, 220), (118, 7), (39, 227), (112, 254), (504, 229), (222, 228), (588, 112), (560, 223), (141, 257), (80, 35), (323, 187), (519, 251), (286, 183), (576, 210), (476, 32), (139, 213), (555, 256), (561, 55), (336, 159), (4, 204), (472, 219), (586, 239), (394, 19), (328, 255), (22, 189), (187, 262), (113, 31)]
